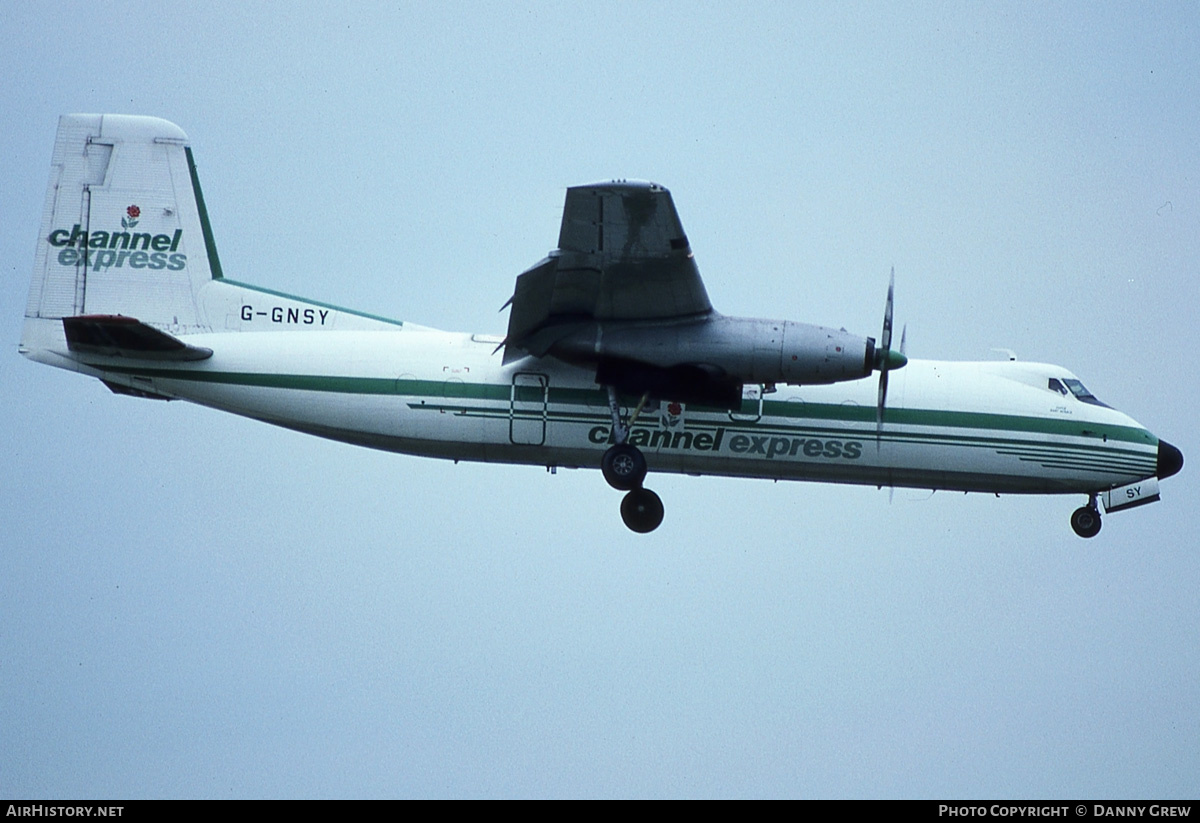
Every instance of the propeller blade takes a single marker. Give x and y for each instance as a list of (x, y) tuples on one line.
[(883, 386), (885, 356), (885, 340), (887, 359)]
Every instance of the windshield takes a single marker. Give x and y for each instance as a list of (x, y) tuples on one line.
[(1080, 391)]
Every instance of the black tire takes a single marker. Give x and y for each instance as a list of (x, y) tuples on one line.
[(1086, 521), (624, 467), (642, 511)]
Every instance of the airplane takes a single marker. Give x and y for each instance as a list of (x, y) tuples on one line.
[(614, 356)]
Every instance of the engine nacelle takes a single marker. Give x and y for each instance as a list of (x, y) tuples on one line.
[(730, 350), (815, 354)]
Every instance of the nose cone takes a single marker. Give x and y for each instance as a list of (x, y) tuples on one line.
[(1170, 459)]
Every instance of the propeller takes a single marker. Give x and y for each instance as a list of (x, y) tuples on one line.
[(885, 358)]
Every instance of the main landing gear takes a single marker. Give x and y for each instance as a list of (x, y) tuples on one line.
[(624, 468), (642, 510), (1086, 519)]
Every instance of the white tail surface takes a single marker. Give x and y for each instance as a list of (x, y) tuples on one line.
[(122, 230), (125, 232)]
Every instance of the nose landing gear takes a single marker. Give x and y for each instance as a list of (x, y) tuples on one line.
[(1086, 519)]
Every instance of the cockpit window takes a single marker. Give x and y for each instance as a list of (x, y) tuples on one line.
[(1081, 392), (1056, 385)]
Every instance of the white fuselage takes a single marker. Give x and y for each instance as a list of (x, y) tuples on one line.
[(990, 426)]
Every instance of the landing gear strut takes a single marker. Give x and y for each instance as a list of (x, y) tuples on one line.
[(1086, 519), (624, 468)]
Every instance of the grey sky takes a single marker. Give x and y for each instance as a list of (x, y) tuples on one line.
[(200, 605)]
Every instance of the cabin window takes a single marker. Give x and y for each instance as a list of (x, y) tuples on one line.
[(1056, 385), (1081, 392)]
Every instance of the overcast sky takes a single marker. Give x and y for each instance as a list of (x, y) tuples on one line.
[(193, 604)]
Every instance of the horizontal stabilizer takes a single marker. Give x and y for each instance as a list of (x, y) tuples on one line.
[(117, 336)]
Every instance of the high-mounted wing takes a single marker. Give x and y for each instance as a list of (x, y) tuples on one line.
[(622, 255), (622, 295)]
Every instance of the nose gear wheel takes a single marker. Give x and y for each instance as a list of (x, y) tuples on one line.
[(1086, 520)]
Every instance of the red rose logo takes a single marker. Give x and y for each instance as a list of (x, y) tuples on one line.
[(131, 220), (134, 212)]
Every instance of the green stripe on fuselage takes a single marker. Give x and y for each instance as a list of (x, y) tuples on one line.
[(595, 403), (210, 245), (309, 301), (214, 262)]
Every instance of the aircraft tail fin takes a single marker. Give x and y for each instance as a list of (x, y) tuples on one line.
[(124, 229), (125, 234)]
